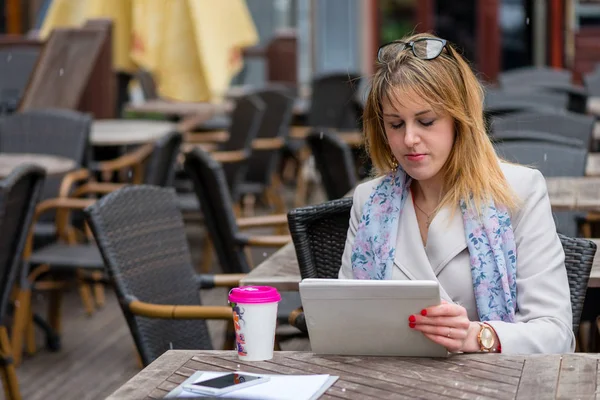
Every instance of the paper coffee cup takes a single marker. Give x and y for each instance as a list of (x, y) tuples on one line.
[(254, 319)]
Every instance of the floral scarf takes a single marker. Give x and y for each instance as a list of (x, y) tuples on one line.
[(490, 242)]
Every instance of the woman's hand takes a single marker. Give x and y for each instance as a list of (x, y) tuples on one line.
[(447, 325)]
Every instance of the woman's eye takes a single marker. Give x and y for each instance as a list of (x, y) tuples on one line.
[(397, 126), (427, 123)]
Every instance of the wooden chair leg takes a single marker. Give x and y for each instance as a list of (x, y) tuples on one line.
[(98, 289), (586, 229), (54, 310), (207, 253), (249, 202), (86, 297), (302, 179), (22, 317), (30, 345), (9, 376)]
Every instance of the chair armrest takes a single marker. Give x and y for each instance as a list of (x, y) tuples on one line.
[(97, 188), (229, 156), (70, 179), (275, 143), (298, 320), (60, 204), (209, 281), (264, 240), (163, 311), (207, 137), (299, 132), (208, 147), (128, 160), (261, 221), (189, 123)]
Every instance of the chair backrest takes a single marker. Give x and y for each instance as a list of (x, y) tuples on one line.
[(530, 136), (211, 188), (551, 159), (566, 124), (319, 234), (275, 123), (525, 99), (16, 66), (141, 235), (62, 133), (19, 195), (160, 168), (246, 120), (530, 75), (333, 101), (334, 161)]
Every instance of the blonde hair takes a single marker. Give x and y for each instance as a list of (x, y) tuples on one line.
[(449, 85)]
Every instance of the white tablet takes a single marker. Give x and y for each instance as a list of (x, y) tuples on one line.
[(368, 317)]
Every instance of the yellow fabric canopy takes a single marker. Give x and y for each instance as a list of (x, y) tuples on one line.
[(192, 47)]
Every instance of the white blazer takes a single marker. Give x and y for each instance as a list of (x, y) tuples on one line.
[(544, 318)]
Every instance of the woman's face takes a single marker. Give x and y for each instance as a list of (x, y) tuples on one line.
[(420, 139)]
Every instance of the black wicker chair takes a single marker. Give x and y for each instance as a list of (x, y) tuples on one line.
[(319, 233), (19, 194), (141, 235), (567, 124), (338, 177), (267, 147), (62, 133), (246, 121), (224, 230)]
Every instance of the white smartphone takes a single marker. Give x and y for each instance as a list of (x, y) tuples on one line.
[(225, 384)]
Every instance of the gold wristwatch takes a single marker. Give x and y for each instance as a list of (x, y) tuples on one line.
[(485, 337)]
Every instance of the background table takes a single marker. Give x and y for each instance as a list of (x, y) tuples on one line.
[(122, 132), (53, 165), (482, 376)]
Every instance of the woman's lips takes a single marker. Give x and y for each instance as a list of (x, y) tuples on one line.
[(415, 157)]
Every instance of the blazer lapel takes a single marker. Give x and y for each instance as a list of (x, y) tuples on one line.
[(446, 238), (410, 252), (411, 257)]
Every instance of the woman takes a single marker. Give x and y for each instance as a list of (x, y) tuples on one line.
[(447, 209)]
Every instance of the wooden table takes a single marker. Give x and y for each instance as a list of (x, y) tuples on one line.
[(481, 376), (177, 108), (53, 165), (123, 132), (574, 193)]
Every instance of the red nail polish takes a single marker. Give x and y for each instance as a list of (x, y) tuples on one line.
[(424, 312), (412, 324), (412, 318)]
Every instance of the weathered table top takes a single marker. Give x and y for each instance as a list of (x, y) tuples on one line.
[(593, 164), (481, 376), (179, 108), (120, 132), (53, 165), (574, 193)]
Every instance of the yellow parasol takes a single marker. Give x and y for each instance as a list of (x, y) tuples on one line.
[(192, 48)]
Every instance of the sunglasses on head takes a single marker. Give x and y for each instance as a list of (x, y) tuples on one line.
[(425, 49)]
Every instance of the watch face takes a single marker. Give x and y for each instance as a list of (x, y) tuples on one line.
[(486, 337)]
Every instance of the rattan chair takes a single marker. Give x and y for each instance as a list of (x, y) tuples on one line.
[(334, 161), (319, 234), (567, 124), (19, 194), (62, 133), (141, 235)]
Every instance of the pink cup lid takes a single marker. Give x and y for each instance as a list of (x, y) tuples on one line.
[(254, 295)]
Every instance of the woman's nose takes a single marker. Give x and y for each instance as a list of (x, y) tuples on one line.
[(411, 136)]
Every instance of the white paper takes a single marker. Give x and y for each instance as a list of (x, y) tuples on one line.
[(278, 387)]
